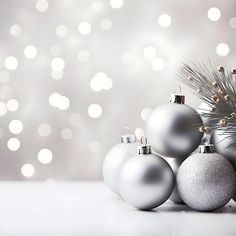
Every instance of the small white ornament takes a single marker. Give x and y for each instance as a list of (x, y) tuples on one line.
[(146, 180), (206, 180), (115, 158), (173, 129)]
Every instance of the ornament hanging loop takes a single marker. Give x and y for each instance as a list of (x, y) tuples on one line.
[(177, 90), (143, 140)]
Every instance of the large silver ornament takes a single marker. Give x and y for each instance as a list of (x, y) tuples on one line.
[(173, 129), (146, 181), (115, 158), (175, 164), (206, 180), (224, 146)]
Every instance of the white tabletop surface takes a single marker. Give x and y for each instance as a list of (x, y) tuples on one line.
[(89, 208)]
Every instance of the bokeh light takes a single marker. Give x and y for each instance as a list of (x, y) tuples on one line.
[(27, 170), (16, 30), (57, 64), (158, 64), (106, 24), (84, 28), (42, 5), (44, 130), (232, 22), (164, 20), (12, 105), (66, 133), (13, 144), (94, 110), (3, 108), (11, 63), (83, 55), (100, 82), (222, 49), (30, 51), (116, 3), (45, 156), (61, 31), (149, 52), (15, 126), (214, 14)]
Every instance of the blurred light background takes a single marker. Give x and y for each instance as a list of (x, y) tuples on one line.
[(74, 73)]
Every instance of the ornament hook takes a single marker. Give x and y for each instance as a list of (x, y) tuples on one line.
[(178, 88), (145, 139)]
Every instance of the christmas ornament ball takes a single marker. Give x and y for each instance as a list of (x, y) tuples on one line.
[(173, 129), (175, 164), (206, 180), (115, 158), (146, 181), (224, 146)]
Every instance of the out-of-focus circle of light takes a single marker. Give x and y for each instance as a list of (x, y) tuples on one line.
[(164, 20), (83, 55), (44, 130), (106, 24), (57, 64), (214, 14), (127, 57), (61, 31), (12, 105), (55, 50), (97, 6), (42, 5), (4, 76), (139, 133), (145, 113), (158, 64), (84, 28), (13, 144), (74, 119), (3, 108), (6, 93), (64, 103), (116, 3), (11, 63), (94, 146), (16, 30), (54, 99), (66, 133), (100, 82), (27, 170), (149, 52), (15, 126), (45, 156), (94, 110), (232, 22), (222, 49), (30, 51), (57, 75)]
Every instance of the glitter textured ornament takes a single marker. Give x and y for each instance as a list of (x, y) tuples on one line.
[(175, 164), (173, 129), (146, 180), (115, 158), (206, 180)]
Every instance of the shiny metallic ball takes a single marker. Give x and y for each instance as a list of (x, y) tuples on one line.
[(175, 164), (114, 161), (206, 181), (173, 130), (224, 146), (146, 181)]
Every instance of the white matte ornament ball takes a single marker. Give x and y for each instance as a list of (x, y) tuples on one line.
[(206, 181), (114, 161), (146, 181), (173, 130)]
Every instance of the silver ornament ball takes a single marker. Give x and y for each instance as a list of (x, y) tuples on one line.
[(206, 180), (173, 130), (115, 159), (146, 181), (224, 146), (175, 164)]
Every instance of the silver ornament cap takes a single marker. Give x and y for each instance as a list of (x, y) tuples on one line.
[(206, 148), (144, 149), (128, 138), (177, 98)]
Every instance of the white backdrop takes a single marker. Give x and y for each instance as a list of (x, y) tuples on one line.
[(74, 73)]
